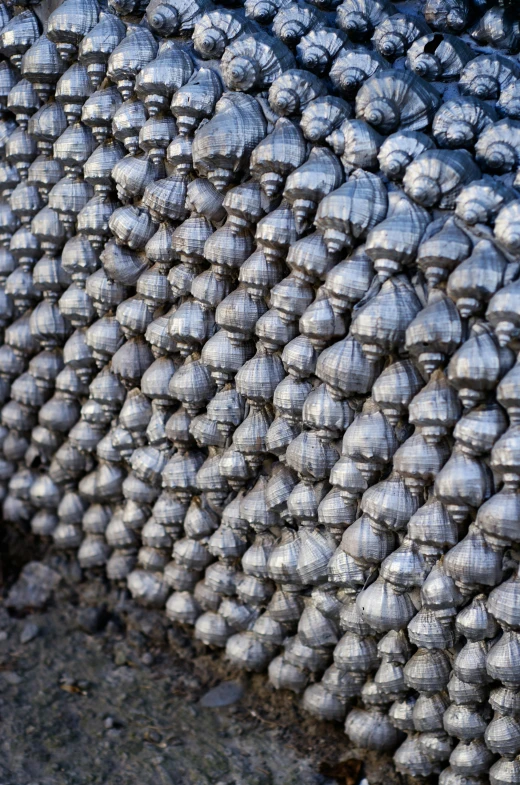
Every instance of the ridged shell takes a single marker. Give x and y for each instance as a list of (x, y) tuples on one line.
[(292, 92), (253, 62), (487, 75), (438, 57), (353, 67), (399, 150), (393, 35), (359, 18), (460, 122), (397, 100), (323, 116), (437, 176)]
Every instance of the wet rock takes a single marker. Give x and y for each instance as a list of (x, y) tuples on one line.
[(34, 587), (29, 632), (224, 694), (92, 620)]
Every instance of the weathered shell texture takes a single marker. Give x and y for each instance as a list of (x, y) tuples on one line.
[(259, 315)]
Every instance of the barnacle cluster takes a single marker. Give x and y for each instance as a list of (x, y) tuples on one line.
[(260, 310)]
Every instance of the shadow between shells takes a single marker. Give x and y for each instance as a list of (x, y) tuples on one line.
[(260, 308)]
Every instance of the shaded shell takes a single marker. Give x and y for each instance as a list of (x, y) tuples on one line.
[(359, 18), (499, 28), (358, 145), (438, 57), (399, 150), (253, 62), (349, 280), (291, 92), (196, 100), (442, 251), (509, 102), (310, 183), (507, 227), (437, 176), (295, 20), (393, 35), (459, 122), (397, 100), (283, 150), (98, 44), (393, 243), (481, 201), (223, 146), (447, 15), (18, 35), (435, 333), (159, 79), (136, 49), (472, 284), (349, 213), (381, 323), (215, 30), (169, 17), (497, 147), (353, 67), (323, 116), (487, 75), (318, 49)]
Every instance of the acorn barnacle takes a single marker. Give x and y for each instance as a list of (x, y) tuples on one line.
[(397, 100)]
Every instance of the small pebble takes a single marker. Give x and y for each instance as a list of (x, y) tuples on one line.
[(29, 632), (147, 658), (152, 735), (109, 723), (3, 635)]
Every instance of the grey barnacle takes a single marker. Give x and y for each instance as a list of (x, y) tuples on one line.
[(353, 67), (98, 44), (136, 49), (358, 145), (170, 17), (399, 150), (461, 121), (359, 18), (323, 116), (394, 35), (397, 100), (438, 57), (196, 100), (18, 35), (277, 155), (436, 177), (216, 29), (319, 48), (310, 183), (69, 23), (291, 92), (99, 110), (487, 75), (497, 147), (159, 79), (294, 20), (253, 62), (447, 15)]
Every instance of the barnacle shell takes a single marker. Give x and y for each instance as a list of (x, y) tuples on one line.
[(507, 227), (497, 146), (254, 62), (323, 116), (472, 284), (399, 150), (437, 177), (359, 18), (69, 23), (447, 15), (500, 28), (460, 122), (487, 75), (136, 49), (291, 92), (393, 35), (438, 57), (350, 212), (392, 100), (353, 67), (358, 145), (318, 49)]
